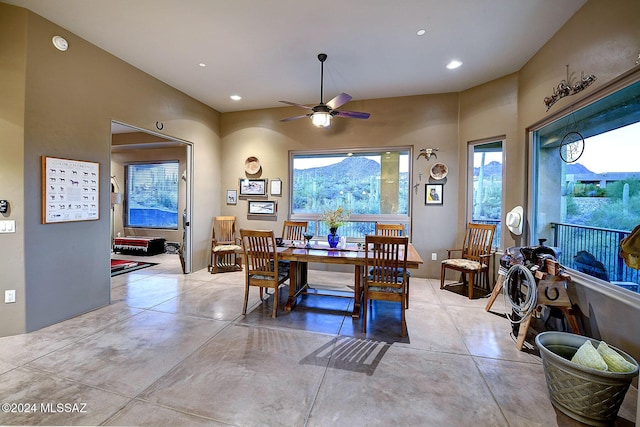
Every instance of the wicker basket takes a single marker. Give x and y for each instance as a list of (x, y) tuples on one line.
[(587, 395)]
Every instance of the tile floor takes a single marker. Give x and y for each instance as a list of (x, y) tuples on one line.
[(174, 350)]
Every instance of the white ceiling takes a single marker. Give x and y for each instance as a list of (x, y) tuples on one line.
[(266, 50)]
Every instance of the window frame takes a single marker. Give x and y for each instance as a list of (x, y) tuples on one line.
[(499, 236), (372, 218), (621, 82), (126, 201)]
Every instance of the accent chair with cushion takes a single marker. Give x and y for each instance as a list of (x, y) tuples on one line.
[(474, 256), (225, 245)]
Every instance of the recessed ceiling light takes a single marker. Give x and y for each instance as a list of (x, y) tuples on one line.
[(202, 64), (454, 64), (421, 32), (236, 97)]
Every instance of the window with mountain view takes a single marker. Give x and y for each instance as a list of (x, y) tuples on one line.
[(372, 185), (151, 198), (486, 185), (586, 204)]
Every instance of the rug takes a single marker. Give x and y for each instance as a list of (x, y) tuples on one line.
[(122, 266)]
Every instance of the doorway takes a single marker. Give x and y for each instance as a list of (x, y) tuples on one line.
[(131, 145)]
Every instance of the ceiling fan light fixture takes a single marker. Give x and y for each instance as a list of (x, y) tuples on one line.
[(321, 119)]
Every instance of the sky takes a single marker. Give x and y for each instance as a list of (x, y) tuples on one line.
[(615, 151)]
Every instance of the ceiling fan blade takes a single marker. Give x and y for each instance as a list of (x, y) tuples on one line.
[(339, 101), (294, 118), (296, 105), (351, 114)]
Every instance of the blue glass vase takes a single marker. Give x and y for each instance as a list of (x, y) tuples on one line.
[(333, 238)]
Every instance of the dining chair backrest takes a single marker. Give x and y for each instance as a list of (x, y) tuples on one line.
[(386, 260), (260, 253), (477, 241), (294, 230), (389, 229)]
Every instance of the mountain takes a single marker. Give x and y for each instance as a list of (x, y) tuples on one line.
[(355, 168), (576, 168), (490, 169)]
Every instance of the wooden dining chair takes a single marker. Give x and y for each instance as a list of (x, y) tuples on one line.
[(389, 229), (294, 230), (394, 230), (474, 256), (225, 245), (261, 265), (386, 262)]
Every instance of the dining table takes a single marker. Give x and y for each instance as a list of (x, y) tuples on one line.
[(299, 255)]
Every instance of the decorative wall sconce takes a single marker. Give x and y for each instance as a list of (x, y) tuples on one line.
[(568, 87)]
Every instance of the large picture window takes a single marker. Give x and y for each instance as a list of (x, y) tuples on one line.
[(151, 198), (372, 185), (586, 196)]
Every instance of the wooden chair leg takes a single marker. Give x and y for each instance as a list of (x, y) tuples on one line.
[(442, 270), (275, 302), (407, 295), (364, 312), (470, 285), (404, 320), (246, 299)]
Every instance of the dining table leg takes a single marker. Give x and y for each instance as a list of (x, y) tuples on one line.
[(357, 291), (297, 282), (293, 285)]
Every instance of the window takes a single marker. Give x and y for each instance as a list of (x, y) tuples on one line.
[(584, 205), (151, 198), (372, 185), (485, 184)]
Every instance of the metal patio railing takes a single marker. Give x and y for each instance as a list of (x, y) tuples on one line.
[(594, 251)]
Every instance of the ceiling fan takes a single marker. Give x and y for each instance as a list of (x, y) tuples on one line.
[(322, 113)]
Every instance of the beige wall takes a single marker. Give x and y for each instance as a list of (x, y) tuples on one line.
[(418, 121), (13, 45), (62, 105)]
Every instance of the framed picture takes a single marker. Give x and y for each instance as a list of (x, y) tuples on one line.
[(276, 187), (253, 187), (262, 207), (232, 197), (70, 190), (433, 194)]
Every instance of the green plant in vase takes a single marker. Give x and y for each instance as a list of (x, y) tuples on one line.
[(334, 219)]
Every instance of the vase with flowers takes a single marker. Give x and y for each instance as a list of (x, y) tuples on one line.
[(334, 219)]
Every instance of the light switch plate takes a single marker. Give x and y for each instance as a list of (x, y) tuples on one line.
[(10, 296), (8, 226)]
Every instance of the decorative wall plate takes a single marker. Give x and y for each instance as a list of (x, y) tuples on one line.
[(439, 171), (252, 165)]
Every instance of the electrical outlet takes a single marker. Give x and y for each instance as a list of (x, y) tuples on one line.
[(10, 296), (434, 256)]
